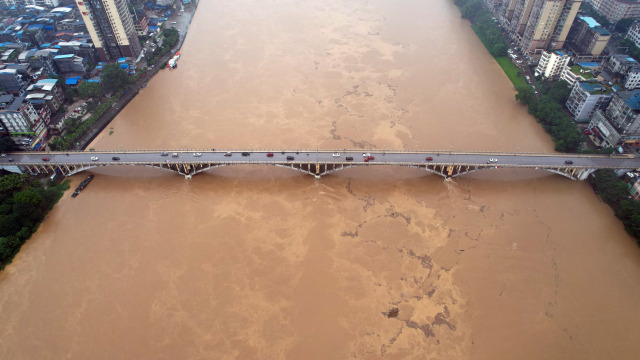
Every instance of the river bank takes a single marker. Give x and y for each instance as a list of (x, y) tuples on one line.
[(185, 22)]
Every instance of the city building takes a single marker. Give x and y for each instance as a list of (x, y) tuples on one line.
[(48, 91), (142, 27), (633, 33), (552, 64), (538, 25), (11, 81), (587, 37), (47, 3), (586, 98), (632, 79), (620, 122), (582, 71), (110, 25), (70, 64), (615, 10), (620, 63), (18, 117)]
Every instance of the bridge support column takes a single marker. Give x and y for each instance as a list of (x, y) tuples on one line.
[(584, 174)]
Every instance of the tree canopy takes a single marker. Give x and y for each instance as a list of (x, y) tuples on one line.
[(113, 78)]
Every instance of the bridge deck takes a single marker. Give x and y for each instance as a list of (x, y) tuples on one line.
[(189, 162)]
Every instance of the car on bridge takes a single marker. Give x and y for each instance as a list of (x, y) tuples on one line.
[(94, 158), (492, 160), (174, 155), (349, 158), (568, 162), (429, 158), (115, 158), (335, 154), (164, 154), (45, 159), (246, 154), (227, 154), (197, 154), (290, 158), (269, 154)]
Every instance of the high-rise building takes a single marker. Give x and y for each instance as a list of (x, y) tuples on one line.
[(615, 10), (552, 64), (110, 25), (588, 37), (538, 25)]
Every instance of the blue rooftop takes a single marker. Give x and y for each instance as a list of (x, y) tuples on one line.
[(592, 87), (73, 80), (634, 100), (589, 64), (68, 56), (590, 21)]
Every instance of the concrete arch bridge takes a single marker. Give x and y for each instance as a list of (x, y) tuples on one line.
[(315, 162)]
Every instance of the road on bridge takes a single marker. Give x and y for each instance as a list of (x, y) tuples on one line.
[(322, 156)]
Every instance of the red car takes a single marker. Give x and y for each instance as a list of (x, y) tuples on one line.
[(269, 154), (45, 159), (371, 158), (429, 158)]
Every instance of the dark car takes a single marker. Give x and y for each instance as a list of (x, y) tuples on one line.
[(429, 158), (246, 154), (164, 154), (10, 159), (290, 158), (115, 158), (349, 158), (45, 159), (269, 154), (568, 162)]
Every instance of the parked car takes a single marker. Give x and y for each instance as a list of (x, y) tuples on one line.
[(568, 162), (93, 158), (115, 158), (45, 159)]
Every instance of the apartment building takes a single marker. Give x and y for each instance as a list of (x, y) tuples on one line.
[(615, 10), (111, 27), (586, 98), (539, 25), (552, 64)]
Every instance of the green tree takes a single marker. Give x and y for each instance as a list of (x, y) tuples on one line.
[(12, 181), (113, 78), (559, 92), (623, 25), (525, 95), (89, 90), (7, 144)]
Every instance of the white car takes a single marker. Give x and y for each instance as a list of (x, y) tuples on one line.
[(366, 155), (492, 160), (336, 155), (94, 158), (197, 154)]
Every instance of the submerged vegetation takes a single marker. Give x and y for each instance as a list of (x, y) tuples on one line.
[(24, 202)]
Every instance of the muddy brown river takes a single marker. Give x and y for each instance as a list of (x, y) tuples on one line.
[(267, 263)]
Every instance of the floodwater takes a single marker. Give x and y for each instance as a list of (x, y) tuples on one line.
[(266, 263)]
